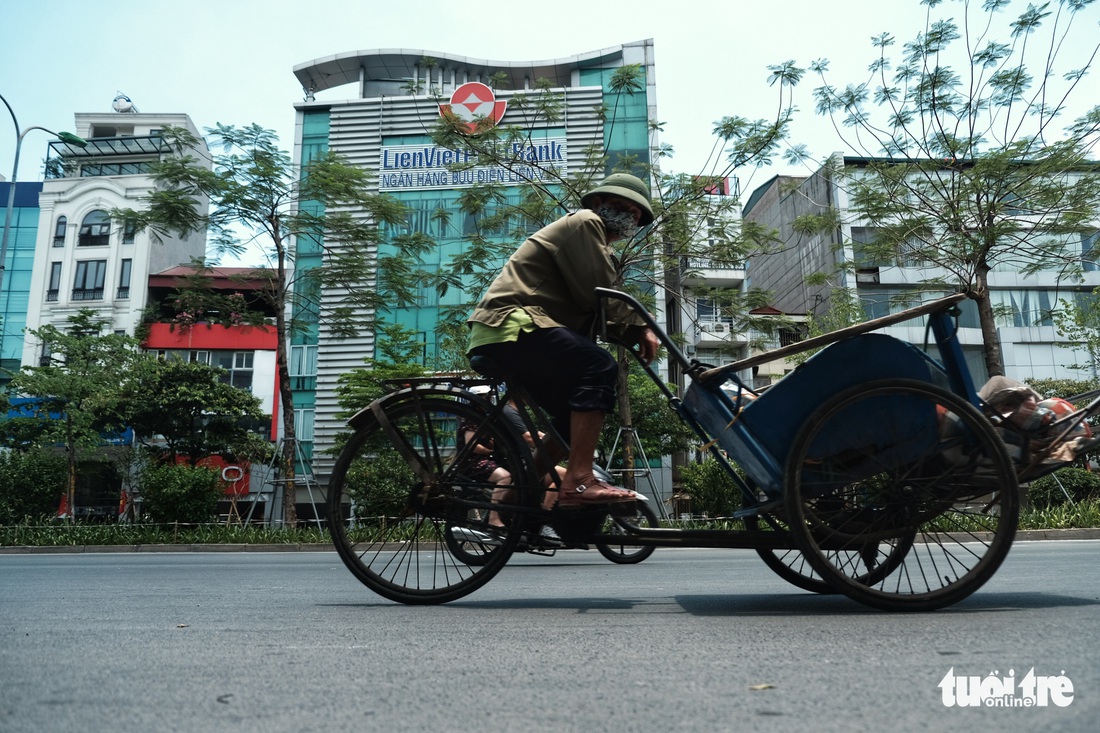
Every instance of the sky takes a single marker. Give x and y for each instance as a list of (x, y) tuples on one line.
[(231, 61)]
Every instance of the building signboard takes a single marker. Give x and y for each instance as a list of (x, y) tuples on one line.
[(426, 166)]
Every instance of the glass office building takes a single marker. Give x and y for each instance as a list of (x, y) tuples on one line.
[(377, 111)]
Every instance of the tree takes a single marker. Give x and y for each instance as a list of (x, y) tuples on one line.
[(193, 411), (843, 309), (967, 169), (1079, 321), (77, 397), (258, 199)]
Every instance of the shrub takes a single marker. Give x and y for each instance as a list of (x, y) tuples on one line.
[(1080, 484), (180, 493), (712, 490), (31, 485)]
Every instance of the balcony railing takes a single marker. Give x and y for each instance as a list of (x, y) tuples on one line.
[(88, 294)]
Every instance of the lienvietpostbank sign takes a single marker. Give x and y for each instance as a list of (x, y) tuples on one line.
[(419, 167)]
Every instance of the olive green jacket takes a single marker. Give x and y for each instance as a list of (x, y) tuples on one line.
[(553, 276)]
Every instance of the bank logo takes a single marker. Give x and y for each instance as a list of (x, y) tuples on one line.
[(473, 102), (994, 691)]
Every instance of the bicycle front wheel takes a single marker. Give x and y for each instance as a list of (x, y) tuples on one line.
[(408, 521), (627, 554)]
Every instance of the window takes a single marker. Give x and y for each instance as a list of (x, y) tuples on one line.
[(709, 311), (59, 231), (1023, 308), (129, 229), (303, 366), (95, 230), (1090, 251), (124, 279), (303, 423), (303, 360), (55, 282), (88, 284), (237, 364), (793, 335)]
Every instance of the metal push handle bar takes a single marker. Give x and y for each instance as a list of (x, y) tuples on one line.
[(923, 309)]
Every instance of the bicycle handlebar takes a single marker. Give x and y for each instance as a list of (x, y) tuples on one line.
[(639, 310)]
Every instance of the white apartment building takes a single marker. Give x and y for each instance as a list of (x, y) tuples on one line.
[(83, 259), (1031, 346)]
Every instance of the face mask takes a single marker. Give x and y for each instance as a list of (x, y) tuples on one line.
[(618, 223)]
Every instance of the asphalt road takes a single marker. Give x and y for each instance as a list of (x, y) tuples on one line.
[(689, 640)]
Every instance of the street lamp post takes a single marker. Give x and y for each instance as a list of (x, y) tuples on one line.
[(66, 137)]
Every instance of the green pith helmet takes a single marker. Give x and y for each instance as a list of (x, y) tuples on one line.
[(630, 188)]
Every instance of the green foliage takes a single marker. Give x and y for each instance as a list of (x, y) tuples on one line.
[(1080, 484), (31, 484), (1063, 388), (1062, 516), (843, 310), (359, 387), (197, 301), (1078, 320), (83, 381), (97, 534), (179, 493), (379, 487), (661, 432), (193, 411), (78, 395), (712, 490)]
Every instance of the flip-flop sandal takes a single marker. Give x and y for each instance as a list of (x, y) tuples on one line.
[(595, 492)]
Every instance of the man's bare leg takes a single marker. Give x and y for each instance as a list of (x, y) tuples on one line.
[(584, 436)]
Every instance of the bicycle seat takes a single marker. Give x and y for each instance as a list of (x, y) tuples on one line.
[(486, 366)]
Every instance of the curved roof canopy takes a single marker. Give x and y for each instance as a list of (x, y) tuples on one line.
[(401, 65)]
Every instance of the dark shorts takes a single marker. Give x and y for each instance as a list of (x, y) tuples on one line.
[(481, 469), (563, 371)]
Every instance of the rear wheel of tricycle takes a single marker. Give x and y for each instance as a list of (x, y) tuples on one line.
[(901, 495), (792, 566), (405, 518)]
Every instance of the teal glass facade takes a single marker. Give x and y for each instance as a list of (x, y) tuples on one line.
[(16, 287)]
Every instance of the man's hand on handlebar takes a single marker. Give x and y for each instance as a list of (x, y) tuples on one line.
[(645, 341)]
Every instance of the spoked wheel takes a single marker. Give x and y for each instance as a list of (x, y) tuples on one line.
[(628, 554), (867, 564), (473, 542), (789, 564), (908, 479), (400, 505)]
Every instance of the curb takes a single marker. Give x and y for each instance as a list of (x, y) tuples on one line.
[(81, 549), (1024, 535)]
